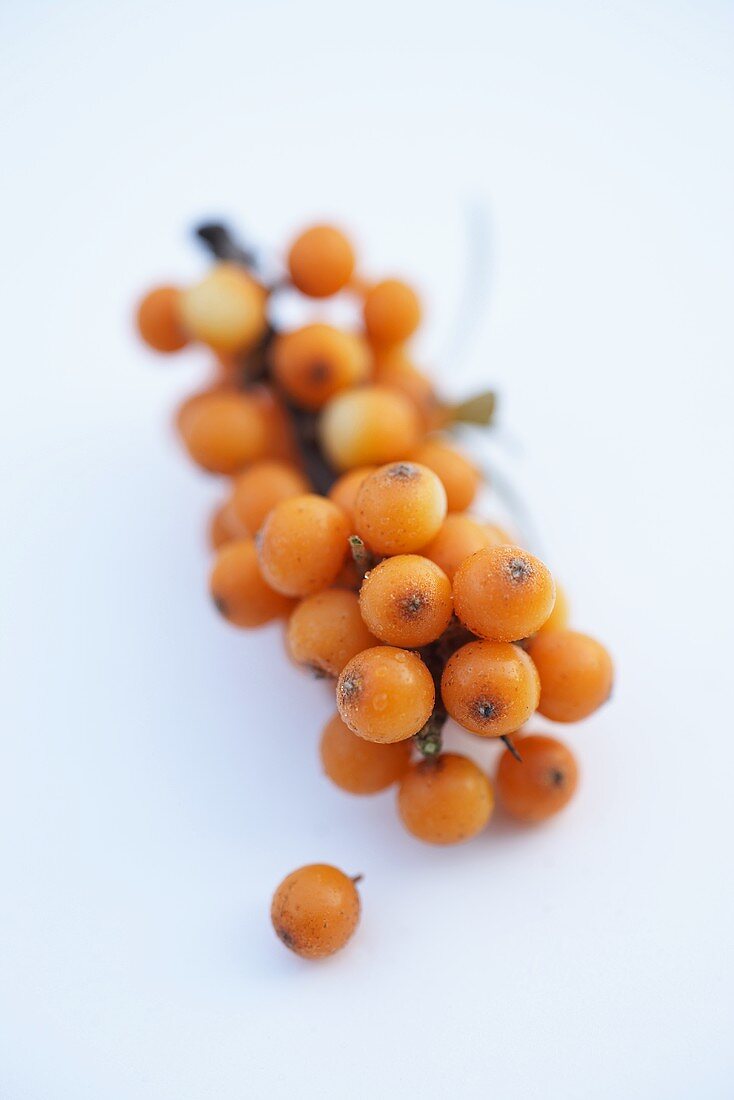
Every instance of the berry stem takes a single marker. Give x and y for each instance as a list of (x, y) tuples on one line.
[(223, 245), (429, 740), (318, 471), (511, 748), (362, 557)]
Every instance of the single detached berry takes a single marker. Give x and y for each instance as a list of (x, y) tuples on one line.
[(315, 910)]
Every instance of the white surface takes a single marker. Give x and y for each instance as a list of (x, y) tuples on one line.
[(158, 771)]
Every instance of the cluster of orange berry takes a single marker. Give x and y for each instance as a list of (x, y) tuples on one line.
[(346, 513)]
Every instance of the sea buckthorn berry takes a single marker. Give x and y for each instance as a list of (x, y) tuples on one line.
[(223, 431), (368, 426), (460, 477), (490, 688), (221, 527), (238, 589), (400, 508), (359, 766), (559, 615), (392, 312), (279, 434), (303, 544), (458, 537), (445, 800), (385, 694), (260, 488), (406, 601), (226, 310), (326, 630), (344, 490), (497, 536), (321, 261), (503, 593), (575, 672), (159, 322), (393, 367), (542, 783), (315, 910), (313, 363)]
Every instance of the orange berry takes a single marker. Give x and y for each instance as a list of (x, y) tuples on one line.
[(542, 784), (385, 694), (238, 589), (221, 527), (159, 323), (279, 434), (315, 910), (503, 593), (226, 310), (303, 544), (458, 537), (392, 312), (406, 601), (344, 490), (490, 688), (558, 619), (393, 367), (313, 363), (445, 800), (399, 508), (321, 261), (223, 431), (359, 766), (326, 630), (368, 426), (575, 673), (260, 488), (461, 479), (497, 536)]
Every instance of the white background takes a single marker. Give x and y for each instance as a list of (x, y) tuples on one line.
[(158, 772)]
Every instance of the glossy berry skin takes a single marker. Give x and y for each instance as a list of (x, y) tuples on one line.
[(222, 431), (558, 619), (313, 363), (542, 784), (392, 312), (503, 593), (490, 688), (321, 261), (460, 477), (326, 630), (445, 800), (406, 601), (226, 310), (344, 490), (359, 766), (458, 537), (367, 427), (159, 322), (575, 671), (399, 508), (315, 910), (238, 589), (256, 492), (302, 545), (385, 694)]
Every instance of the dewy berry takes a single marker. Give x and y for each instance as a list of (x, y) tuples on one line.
[(344, 516)]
